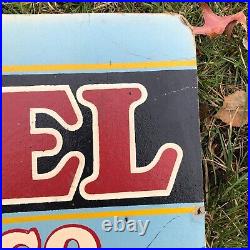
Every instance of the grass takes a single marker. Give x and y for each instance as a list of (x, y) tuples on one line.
[(222, 69)]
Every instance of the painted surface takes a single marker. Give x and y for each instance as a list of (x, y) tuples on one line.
[(96, 42), (165, 230), (105, 122)]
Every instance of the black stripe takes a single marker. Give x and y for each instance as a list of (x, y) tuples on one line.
[(170, 114)]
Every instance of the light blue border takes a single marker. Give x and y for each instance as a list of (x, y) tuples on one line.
[(172, 231), (96, 39)]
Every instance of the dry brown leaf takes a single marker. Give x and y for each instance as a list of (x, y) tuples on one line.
[(229, 29), (234, 109), (215, 25)]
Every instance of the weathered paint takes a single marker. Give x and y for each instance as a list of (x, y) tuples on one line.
[(152, 52), (96, 43)]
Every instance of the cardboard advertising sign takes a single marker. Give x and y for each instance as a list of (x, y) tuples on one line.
[(101, 143)]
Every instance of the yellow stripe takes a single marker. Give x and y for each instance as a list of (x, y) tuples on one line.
[(94, 215), (102, 66)]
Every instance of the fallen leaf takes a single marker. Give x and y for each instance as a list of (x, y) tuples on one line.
[(215, 25), (234, 109), (229, 29)]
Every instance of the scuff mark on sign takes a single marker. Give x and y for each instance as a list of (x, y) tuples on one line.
[(163, 227), (179, 90)]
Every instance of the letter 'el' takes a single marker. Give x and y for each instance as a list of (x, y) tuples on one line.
[(115, 174)]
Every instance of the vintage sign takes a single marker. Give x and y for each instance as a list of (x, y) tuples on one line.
[(101, 142)]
